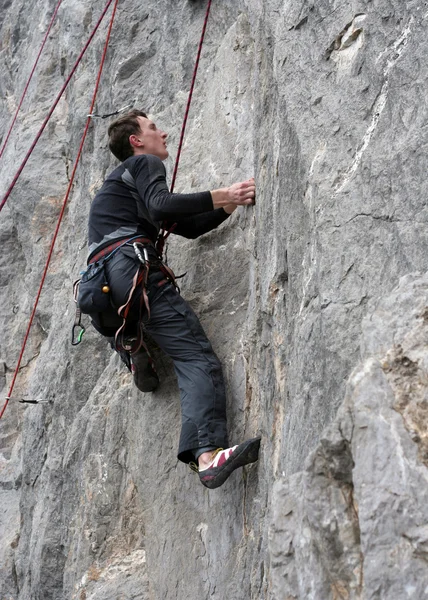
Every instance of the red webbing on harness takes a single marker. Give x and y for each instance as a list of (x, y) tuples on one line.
[(88, 121), (58, 98), (30, 77), (140, 279), (163, 235)]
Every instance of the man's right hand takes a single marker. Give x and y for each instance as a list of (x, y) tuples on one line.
[(242, 193)]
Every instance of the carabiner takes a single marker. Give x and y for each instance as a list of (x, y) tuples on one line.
[(143, 259), (75, 341)]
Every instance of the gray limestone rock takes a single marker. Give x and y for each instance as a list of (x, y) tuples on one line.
[(324, 103), (353, 523)]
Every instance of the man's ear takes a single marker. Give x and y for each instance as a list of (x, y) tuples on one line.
[(135, 141)]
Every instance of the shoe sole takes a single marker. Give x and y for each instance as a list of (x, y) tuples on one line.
[(245, 454)]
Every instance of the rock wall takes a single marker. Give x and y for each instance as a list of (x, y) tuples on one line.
[(353, 524), (324, 102)]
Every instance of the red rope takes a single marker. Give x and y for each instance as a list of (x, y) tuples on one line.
[(30, 77), (88, 121), (163, 235), (189, 100), (36, 139)]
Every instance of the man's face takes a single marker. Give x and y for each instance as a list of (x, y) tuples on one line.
[(150, 140)]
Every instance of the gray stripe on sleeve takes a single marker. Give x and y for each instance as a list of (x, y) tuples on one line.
[(142, 210)]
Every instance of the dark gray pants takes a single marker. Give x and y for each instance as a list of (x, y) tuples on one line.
[(176, 329)]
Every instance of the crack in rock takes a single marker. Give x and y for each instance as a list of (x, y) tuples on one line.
[(396, 51)]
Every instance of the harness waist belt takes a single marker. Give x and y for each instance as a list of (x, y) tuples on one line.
[(105, 251)]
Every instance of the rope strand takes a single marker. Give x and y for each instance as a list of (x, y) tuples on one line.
[(30, 77), (163, 235), (58, 98), (61, 215), (189, 100)]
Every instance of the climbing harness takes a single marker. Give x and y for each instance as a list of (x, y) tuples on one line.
[(92, 291), (140, 280), (58, 98), (30, 77), (67, 194)]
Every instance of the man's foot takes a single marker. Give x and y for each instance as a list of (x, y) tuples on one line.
[(224, 462), (143, 371)]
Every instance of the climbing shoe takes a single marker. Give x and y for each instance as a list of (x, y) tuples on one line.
[(224, 462), (143, 371)]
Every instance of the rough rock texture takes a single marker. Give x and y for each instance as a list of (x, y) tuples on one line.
[(353, 524), (324, 102)]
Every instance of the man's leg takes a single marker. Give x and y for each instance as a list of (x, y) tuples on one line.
[(139, 363), (175, 328), (143, 370)]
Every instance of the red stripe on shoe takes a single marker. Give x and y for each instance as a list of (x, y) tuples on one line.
[(222, 457)]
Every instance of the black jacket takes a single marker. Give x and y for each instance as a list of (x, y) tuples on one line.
[(135, 201)]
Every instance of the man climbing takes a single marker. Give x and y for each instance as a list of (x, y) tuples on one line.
[(126, 216)]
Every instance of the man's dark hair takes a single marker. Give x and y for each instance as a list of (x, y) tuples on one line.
[(119, 132)]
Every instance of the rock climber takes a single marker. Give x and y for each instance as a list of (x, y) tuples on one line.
[(125, 218)]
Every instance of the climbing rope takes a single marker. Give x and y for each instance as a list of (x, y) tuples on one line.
[(45, 122), (88, 121), (163, 235), (189, 100), (30, 77)]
